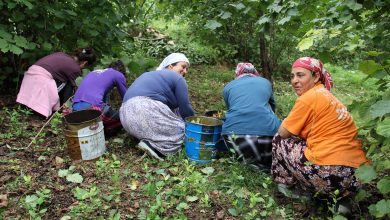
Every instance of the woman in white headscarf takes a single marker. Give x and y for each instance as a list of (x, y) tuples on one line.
[(149, 106)]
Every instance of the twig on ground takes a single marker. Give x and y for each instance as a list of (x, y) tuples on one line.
[(47, 122)]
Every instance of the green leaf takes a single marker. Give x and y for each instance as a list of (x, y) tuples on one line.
[(59, 25), (305, 43), (380, 209), (208, 170), (238, 6), (380, 108), (383, 127), (72, 13), (263, 20), (275, 8), (374, 53), (233, 212), (362, 194), (47, 46), (366, 173), (3, 45), (212, 24), (384, 185), (31, 200), (339, 217), (284, 20), (81, 194), (352, 4), (93, 33), (226, 15), (6, 36), (182, 206), (63, 173), (74, 178), (27, 4), (369, 67), (15, 50), (293, 12), (191, 198)]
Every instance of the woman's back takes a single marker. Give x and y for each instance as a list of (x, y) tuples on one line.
[(249, 112)]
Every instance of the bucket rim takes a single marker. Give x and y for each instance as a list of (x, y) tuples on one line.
[(218, 121), (83, 122)]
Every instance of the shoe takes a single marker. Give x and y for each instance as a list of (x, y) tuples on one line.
[(145, 146), (344, 207), (291, 192)]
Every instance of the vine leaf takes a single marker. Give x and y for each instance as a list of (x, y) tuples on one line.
[(384, 185), (208, 170), (212, 24), (380, 108), (366, 173), (305, 43), (380, 209), (369, 67), (74, 178), (383, 127)]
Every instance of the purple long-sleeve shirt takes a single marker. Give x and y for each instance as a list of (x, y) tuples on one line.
[(94, 87)]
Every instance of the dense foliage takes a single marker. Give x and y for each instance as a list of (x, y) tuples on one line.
[(270, 34), (31, 29)]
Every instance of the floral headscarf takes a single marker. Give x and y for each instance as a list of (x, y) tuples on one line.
[(316, 66), (245, 69)]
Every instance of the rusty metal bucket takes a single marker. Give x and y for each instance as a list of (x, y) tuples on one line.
[(84, 134)]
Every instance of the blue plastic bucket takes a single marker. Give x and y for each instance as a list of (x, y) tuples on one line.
[(201, 134)]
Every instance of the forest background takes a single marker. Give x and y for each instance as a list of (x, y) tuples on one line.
[(350, 36)]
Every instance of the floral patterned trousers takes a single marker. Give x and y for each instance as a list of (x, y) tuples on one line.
[(290, 167)]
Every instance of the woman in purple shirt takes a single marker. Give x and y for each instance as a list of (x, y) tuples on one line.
[(94, 91), (155, 106)]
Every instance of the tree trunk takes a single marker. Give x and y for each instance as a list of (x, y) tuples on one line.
[(264, 58)]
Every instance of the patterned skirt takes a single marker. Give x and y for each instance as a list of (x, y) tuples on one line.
[(153, 121), (290, 167), (251, 148)]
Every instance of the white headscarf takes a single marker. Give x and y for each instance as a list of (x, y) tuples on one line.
[(172, 58)]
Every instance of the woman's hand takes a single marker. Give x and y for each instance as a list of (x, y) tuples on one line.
[(284, 133)]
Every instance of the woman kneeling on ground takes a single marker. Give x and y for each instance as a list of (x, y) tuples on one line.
[(51, 81), (155, 106), (316, 149), (94, 91), (250, 122)]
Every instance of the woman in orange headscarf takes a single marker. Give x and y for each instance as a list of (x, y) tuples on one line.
[(316, 149)]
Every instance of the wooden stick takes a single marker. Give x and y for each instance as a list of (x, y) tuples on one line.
[(47, 122)]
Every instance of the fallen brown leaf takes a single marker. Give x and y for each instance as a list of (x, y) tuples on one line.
[(3, 200)]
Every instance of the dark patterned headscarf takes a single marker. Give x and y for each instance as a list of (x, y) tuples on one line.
[(245, 69), (315, 66)]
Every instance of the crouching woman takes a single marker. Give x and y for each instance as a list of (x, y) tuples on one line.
[(155, 106), (316, 149)]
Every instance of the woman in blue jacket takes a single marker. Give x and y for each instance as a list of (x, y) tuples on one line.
[(155, 106), (250, 119)]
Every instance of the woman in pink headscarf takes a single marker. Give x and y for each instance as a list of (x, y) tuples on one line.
[(316, 149), (250, 122)]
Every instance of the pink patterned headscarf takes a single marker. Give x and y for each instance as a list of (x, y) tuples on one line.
[(316, 66), (245, 69)]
